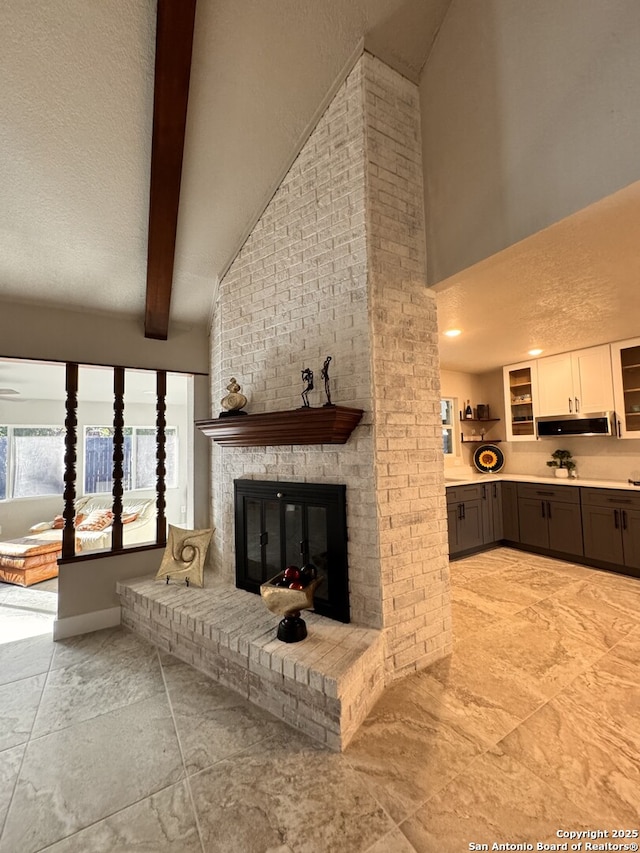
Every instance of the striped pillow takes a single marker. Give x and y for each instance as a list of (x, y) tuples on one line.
[(98, 519)]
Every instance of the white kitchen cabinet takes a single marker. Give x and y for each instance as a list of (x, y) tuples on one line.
[(625, 360), (575, 382), (520, 389)]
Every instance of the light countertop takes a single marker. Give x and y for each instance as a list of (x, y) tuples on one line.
[(466, 478)]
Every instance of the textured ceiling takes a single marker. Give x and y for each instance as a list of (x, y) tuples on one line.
[(75, 132), (573, 285)]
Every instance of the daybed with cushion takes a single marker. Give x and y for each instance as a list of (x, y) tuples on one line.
[(94, 519)]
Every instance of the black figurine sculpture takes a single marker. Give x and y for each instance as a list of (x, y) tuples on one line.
[(307, 377), (324, 373)]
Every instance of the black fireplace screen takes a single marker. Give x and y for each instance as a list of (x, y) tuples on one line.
[(281, 524)]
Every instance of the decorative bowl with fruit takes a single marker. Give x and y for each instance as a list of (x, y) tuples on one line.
[(287, 594)]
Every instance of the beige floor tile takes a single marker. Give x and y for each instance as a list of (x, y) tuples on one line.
[(469, 614), (212, 722), (530, 723), (409, 747), (532, 649), (78, 775), (487, 698), (586, 743), (627, 651), (509, 596), (497, 800), (162, 823), (286, 793), (394, 842)]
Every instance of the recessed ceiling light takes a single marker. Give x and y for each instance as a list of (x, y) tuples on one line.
[(535, 351), (453, 333)]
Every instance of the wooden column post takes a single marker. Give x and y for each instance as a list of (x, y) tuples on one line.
[(118, 456), (161, 456), (70, 459)]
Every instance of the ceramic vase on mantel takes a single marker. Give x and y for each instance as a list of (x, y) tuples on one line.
[(562, 473)]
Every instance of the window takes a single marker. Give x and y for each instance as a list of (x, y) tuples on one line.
[(447, 408), (139, 464), (31, 461)]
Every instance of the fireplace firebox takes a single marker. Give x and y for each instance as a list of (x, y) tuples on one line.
[(278, 524)]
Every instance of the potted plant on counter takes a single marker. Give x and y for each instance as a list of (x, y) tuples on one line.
[(562, 461)]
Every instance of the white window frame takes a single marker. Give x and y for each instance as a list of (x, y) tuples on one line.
[(169, 483), (449, 426), (11, 461)]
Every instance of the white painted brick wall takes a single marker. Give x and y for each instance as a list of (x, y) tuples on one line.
[(406, 380), (296, 293), (336, 266)]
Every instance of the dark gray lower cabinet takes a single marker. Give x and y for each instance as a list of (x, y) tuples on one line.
[(510, 525), (612, 526), (466, 516), (550, 518), (600, 525), (497, 526)]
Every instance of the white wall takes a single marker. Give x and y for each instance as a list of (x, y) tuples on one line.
[(57, 334), (478, 388), (529, 113)]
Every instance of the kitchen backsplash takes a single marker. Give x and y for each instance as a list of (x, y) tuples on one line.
[(596, 458)]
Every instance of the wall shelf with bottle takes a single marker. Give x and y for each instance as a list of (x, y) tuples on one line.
[(476, 416)]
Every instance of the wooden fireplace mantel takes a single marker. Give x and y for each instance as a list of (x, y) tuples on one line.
[(321, 425)]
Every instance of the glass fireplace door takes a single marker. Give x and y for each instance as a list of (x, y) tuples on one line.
[(284, 524)]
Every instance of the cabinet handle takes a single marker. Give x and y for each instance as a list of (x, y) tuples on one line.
[(570, 406), (624, 519), (619, 430), (464, 512), (484, 492), (264, 538), (495, 491), (542, 506), (541, 492), (548, 510), (577, 404), (616, 519)]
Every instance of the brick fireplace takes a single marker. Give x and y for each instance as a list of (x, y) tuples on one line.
[(336, 266)]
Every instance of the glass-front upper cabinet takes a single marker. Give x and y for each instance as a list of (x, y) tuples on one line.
[(520, 394), (625, 360)]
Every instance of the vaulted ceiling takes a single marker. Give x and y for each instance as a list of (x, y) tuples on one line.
[(76, 120), (76, 110)]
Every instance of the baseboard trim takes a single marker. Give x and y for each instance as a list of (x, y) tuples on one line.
[(85, 623)]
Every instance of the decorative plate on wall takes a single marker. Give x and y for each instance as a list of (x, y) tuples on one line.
[(488, 458)]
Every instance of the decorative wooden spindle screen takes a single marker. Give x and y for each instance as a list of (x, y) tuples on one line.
[(161, 456), (70, 459), (118, 456)]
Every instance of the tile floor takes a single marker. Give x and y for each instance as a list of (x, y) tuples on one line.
[(530, 727)]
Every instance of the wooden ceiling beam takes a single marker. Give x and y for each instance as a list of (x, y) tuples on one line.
[(174, 44)]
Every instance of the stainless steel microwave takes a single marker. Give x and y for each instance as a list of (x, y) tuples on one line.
[(596, 423)]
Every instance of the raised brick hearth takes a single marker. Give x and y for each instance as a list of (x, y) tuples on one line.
[(324, 686)]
